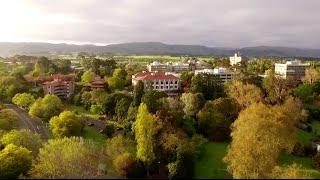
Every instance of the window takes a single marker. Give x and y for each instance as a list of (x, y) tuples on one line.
[(161, 82), (175, 87), (167, 87), (167, 82), (176, 82), (157, 82)]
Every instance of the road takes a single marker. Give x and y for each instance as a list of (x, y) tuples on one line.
[(29, 122)]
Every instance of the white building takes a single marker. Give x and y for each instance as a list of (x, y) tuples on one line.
[(291, 69), (158, 80), (157, 66), (236, 59), (222, 73)]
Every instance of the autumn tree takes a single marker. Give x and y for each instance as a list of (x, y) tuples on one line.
[(259, 136), (24, 100), (66, 124), (292, 171), (311, 76), (192, 103), (46, 107), (123, 164), (277, 88), (70, 158), (23, 138), (145, 127), (244, 94), (15, 161)]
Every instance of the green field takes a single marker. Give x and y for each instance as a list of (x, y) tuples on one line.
[(80, 110), (90, 133), (210, 163)]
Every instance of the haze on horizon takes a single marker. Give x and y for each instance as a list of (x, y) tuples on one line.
[(220, 23)]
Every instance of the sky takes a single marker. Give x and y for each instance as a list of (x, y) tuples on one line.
[(215, 23)]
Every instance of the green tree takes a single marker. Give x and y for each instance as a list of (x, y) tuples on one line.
[(10, 118), (69, 158), (15, 161), (23, 138), (88, 77), (66, 124), (305, 93), (192, 103), (138, 93), (122, 107), (145, 127), (46, 107), (24, 100), (208, 85), (151, 97), (212, 123)]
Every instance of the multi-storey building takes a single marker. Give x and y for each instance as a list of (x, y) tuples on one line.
[(177, 67), (158, 80), (97, 83), (236, 59), (61, 86), (221, 73), (294, 70), (157, 66)]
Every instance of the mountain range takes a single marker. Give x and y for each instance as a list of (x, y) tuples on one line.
[(151, 48)]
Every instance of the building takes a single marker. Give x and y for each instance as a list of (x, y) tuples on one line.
[(158, 80), (294, 70), (60, 85), (157, 66), (236, 59), (97, 83), (222, 73), (178, 67)]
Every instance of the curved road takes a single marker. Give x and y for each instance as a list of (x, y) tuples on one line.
[(30, 123)]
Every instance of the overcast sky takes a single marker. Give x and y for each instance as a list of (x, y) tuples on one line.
[(222, 23)]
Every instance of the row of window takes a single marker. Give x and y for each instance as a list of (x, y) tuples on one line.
[(171, 82), (166, 87)]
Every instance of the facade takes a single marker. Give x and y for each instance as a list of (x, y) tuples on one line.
[(222, 73), (97, 83), (177, 67), (157, 66), (61, 86), (158, 80), (236, 59), (291, 69)]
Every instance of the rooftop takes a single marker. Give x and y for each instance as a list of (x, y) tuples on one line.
[(158, 75)]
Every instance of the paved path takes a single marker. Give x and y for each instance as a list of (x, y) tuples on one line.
[(29, 122)]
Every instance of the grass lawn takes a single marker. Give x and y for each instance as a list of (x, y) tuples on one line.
[(210, 163), (91, 133), (82, 111), (305, 162), (305, 137)]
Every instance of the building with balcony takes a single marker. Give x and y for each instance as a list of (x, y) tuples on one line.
[(97, 83), (158, 80), (294, 70), (60, 85)]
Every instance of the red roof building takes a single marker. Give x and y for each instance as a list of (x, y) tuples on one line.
[(158, 80), (97, 83), (62, 86)]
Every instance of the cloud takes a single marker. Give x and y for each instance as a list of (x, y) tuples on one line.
[(226, 23)]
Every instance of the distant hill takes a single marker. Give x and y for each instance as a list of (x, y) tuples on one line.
[(152, 48)]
